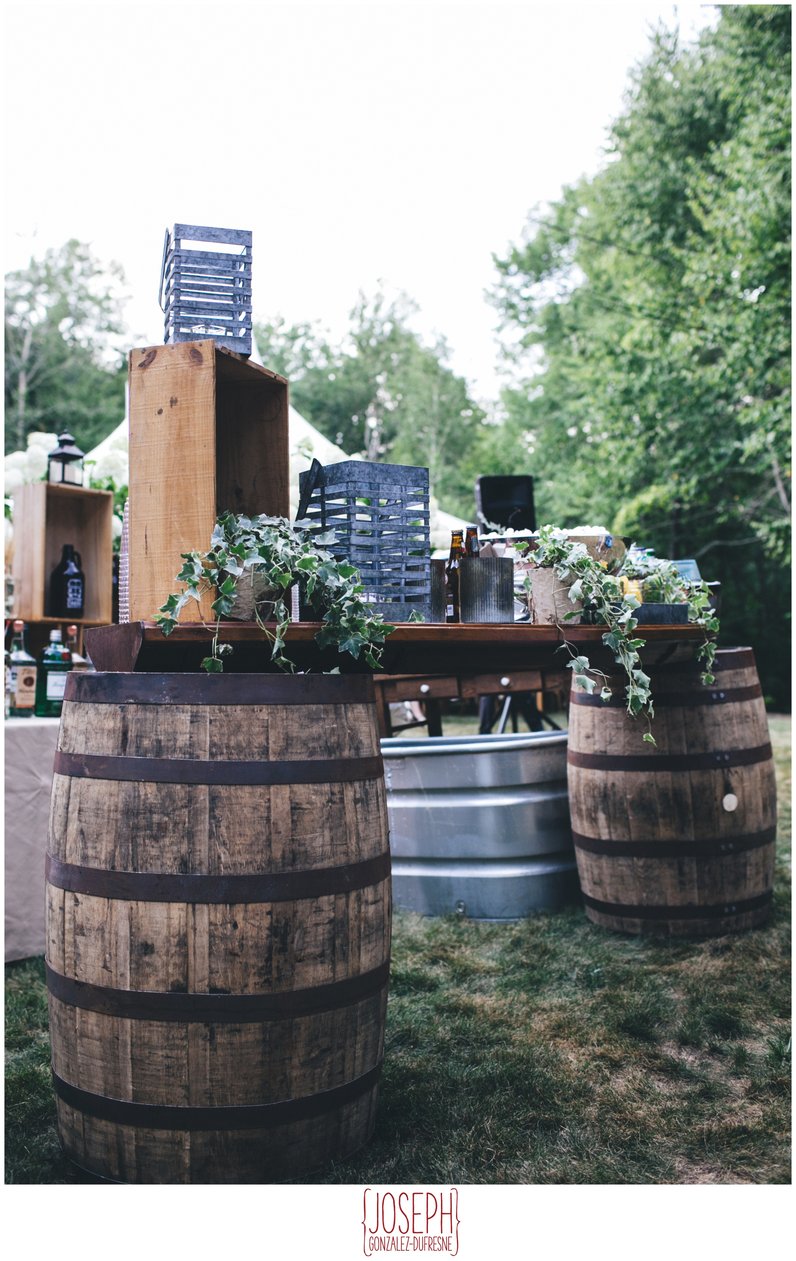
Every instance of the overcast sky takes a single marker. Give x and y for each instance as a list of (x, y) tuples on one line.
[(397, 142)]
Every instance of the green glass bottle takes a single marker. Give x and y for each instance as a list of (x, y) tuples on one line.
[(55, 664)]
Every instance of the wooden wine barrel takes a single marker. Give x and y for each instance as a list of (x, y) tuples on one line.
[(218, 932), (676, 839)]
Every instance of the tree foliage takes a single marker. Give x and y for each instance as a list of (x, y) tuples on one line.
[(647, 316), (383, 394), (63, 368)]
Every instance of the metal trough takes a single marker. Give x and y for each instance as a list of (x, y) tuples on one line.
[(479, 825)]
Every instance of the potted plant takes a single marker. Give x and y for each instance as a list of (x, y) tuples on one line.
[(597, 594), (252, 563)]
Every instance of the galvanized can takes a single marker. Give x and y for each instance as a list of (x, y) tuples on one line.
[(479, 825)]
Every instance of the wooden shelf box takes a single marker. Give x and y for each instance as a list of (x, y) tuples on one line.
[(46, 517), (208, 433)]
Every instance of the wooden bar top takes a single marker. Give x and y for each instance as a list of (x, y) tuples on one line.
[(412, 648)]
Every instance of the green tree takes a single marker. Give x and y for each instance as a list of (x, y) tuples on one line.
[(648, 315), (63, 366), (383, 394)]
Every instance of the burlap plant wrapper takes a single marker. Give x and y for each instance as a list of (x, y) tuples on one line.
[(253, 589), (548, 601)]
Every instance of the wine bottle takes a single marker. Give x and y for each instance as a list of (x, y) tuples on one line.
[(68, 585)]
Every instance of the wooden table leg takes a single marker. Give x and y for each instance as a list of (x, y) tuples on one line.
[(433, 717)]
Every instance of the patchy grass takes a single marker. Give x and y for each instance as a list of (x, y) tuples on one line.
[(547, 1051)]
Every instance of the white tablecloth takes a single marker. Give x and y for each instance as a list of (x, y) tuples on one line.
[(29, 750)]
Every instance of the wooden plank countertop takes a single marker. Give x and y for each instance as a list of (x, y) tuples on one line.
[(412, 648)]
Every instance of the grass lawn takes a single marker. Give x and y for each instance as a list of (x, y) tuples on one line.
[(547, 1051)]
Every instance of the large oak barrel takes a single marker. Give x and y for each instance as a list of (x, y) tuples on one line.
[(218, 893), (676, 839)]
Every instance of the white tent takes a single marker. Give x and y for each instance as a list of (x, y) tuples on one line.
[(305, 443)]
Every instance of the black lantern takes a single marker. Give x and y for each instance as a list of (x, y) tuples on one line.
[(65, 463)]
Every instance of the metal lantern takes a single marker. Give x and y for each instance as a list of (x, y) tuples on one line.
[(65, 463), (206, 286)]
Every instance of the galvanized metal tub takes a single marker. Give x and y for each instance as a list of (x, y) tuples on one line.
[(479, 825)]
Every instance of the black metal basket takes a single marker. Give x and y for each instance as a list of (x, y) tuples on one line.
[(380, 516), (207, 293)]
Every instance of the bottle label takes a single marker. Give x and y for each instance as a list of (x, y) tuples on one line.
[(23, 687), (56, 684), (74, 593)]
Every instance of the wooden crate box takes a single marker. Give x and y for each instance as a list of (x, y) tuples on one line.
[(45, 518), (208, 433)]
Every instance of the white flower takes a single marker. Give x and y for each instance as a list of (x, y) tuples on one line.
[(47, 441), (14, 478), (35, 462), (116, 523), (114, 463)]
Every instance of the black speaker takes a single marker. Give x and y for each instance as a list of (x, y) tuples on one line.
[(506, 501)]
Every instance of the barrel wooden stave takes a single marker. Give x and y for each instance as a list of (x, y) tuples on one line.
[(243, 1064), (723, 861), (218, 1157), (170, 951)]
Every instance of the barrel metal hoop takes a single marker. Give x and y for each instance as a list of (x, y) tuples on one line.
[(283, 886), (253, 1116), (127, 688), (216, 1008), (697, 699), (710, 911), (710, 847), (725, 659), (147, 770), (670, 761)]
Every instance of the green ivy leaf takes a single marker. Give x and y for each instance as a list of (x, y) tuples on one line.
[(585, 682)]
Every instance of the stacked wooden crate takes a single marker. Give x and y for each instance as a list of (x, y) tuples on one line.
[(208, 433)]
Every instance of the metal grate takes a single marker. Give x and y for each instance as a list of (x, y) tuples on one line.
[(380, 515), (206, 286)]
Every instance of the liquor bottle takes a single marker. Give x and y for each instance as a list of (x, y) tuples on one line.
[(471, 545), (55, 664), (452, 604), (23, 672), (79, 662), (67, 585)]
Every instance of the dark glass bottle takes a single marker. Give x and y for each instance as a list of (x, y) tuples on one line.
[(22, 681), (68, 585), (452, 601), (55, 664), (471, 545)]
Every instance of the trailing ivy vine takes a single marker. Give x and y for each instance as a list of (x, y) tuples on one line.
[(281, 553), (605, 603)]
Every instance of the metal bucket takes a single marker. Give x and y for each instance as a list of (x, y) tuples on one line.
[(479, 825)]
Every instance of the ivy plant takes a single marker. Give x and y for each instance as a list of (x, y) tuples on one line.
[(605, 603), (281, 553), (662, 582)]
